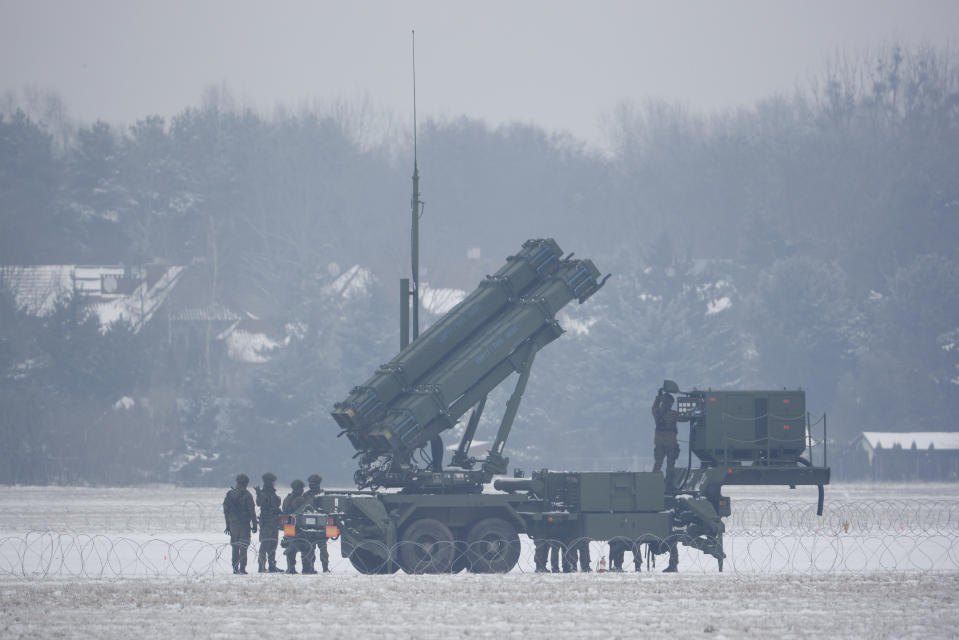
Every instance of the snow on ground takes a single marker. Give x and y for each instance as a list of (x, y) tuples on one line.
[(153, 562), (476, 606)]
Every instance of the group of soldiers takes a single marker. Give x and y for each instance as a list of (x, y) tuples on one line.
[(241, 520), (574, 556), (549, 553)]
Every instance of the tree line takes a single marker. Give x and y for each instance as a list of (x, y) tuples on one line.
[(806, 240)]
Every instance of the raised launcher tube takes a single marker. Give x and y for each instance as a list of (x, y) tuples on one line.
[(503, 345), (368, 403)]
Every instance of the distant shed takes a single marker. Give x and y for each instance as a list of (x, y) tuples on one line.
[(898, 456)]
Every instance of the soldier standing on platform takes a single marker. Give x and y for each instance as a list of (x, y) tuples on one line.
[(665, 441)]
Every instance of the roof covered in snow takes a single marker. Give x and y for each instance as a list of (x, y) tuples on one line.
[(352, 283), (440, 301), (922, 439), (111, 292)]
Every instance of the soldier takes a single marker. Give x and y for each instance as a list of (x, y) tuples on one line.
[(557, 552), (293, 501), (240, 516), (318, 538), (617, 551), (550, 550), (540, 553), (578, 552), (270, 513), (637, 556), (665, 444), (673, 565)]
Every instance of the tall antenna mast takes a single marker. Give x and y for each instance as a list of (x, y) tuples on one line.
[(416, 209)]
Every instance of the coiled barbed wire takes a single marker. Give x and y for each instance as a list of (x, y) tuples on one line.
[(762, 536)]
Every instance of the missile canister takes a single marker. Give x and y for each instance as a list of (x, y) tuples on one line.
[(417, 416), (368, 402)]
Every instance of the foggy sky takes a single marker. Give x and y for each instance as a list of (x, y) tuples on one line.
[(559, 64)]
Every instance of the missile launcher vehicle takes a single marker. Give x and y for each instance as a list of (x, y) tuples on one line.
[(410, 512)]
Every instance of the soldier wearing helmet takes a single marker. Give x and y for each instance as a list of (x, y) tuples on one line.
[(666, 446), (240, 515), (270, 513), (664, 440), (317, 538), (292, 502)]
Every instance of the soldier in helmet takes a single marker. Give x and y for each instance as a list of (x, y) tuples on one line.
[(292, 502), (240, 515), (317, 538), (664, 440), (270, 513)]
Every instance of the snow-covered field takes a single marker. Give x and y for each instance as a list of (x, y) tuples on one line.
[(153, 562)]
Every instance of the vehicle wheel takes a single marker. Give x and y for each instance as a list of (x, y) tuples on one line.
[(427, 546), (493, 546), (367, 561)]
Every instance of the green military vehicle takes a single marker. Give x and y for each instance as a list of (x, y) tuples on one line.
[(411, 513)]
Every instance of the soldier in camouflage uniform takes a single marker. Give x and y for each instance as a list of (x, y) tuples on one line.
[(666, 445), (617, 552), (550, 550), (318, 538), (292, 502), (240, 515), (270, 513), (577, 553), (540, 552), (557, 550)]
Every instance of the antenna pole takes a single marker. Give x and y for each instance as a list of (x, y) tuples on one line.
[(415, 206)]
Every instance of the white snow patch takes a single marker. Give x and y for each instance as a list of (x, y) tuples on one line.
[(244, 346), (440, 301), (710, 286), (576, 326), (718, 306), (354, 282), (126, 402), (648, 297), (922, 439)]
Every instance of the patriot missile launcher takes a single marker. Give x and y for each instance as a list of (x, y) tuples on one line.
[(442, 521)]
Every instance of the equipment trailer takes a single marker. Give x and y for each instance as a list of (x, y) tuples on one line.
[(427, 519)]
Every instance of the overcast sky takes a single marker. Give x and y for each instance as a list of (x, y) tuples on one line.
[(559, 64)]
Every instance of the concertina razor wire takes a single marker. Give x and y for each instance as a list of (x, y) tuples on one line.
[(762, 537)]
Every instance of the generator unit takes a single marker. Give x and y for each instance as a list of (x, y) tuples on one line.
[(745, 426)]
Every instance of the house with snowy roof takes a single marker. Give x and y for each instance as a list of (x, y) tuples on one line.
[(111, 293), (902, 456), (174, 300)]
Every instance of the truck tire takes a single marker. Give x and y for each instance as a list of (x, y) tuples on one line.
[(367, 562), (493, 546), (427, 546)]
